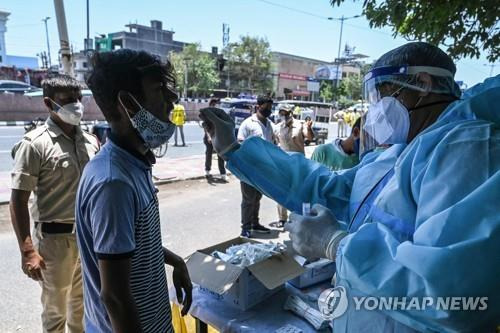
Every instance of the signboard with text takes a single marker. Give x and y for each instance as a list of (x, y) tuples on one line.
[(292, 77)]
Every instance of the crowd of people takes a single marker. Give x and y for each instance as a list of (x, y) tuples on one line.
[(406, 205)]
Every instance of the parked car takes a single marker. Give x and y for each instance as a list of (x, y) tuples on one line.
[(363, 107), (238, 109), (16, 87)]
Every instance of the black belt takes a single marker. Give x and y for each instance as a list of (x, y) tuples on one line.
[(56, 228)]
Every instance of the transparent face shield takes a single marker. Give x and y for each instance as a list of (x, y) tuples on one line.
[(381, 82), (387, 120), (366, 142)]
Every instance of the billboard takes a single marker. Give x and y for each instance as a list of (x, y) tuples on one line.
[(328, 72)]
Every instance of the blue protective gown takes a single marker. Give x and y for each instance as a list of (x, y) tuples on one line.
[(423, 218)]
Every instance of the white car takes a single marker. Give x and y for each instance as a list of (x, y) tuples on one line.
[(16, 87), (359, 107)]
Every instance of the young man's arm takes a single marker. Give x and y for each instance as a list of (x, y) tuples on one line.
[(182, 281), (112, 219), (116, 295), (32, 262)]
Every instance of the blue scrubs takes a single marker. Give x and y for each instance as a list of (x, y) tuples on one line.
[(423, 218)]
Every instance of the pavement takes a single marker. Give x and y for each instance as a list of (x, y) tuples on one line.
[(166, 170)]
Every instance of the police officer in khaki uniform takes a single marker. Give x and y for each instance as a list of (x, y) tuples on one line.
[(49, 162), (291, 134)]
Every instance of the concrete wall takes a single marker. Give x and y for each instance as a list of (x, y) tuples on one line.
[(15, 107)]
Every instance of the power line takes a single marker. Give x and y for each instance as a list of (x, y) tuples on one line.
[(294, 9), (492, 67)]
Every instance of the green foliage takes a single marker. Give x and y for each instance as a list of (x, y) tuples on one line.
[(351, 87), (202, 75), (465, 27), (249, 64), (326, 91), (344, 102)]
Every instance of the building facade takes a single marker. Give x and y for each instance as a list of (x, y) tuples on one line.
[(152, 39), (296, 77), (81, 65)]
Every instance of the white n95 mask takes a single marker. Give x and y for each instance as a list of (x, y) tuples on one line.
[(388, 121), (70, 113)]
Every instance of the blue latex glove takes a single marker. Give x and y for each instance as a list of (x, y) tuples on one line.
[(220, 126), (317, 235)]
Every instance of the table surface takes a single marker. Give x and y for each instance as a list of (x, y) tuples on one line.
[(267, 316)]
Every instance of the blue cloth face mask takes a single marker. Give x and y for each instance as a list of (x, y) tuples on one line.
[(153, 131)]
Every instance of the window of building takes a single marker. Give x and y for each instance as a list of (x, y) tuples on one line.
[(84, 64)]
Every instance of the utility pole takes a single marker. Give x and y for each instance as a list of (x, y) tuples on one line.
[(185, 78), (47, 37), (492, 66), (65, 52), (88, 25), (341, 19), (225, 44)]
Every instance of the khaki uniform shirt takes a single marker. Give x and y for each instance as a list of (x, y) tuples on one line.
[(50, 164), (291, 138)]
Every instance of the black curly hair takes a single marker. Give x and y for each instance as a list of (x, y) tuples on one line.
[(123, 70)]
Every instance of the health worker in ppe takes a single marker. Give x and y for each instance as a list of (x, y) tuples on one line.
[(418, 219)]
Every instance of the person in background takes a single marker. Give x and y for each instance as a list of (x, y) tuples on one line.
[(117, 209), (339, 116), (179, 118), (296, 112), (49, 162), (340, 154), (291, 135), (257, 125), (209, 150)]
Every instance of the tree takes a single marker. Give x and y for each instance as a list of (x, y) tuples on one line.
[(202, 75), (249, 64), (326, 91), (465, 27), (352, 87)]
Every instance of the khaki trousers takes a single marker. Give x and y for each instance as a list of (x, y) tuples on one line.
[(282, 213), (62, 292)]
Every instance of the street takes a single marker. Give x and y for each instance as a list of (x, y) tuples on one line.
[(193, 133), (194, 215)]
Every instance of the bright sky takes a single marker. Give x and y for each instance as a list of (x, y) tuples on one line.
[(304, 31)]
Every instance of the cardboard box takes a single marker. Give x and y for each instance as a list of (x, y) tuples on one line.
[(315, 272), (240, 287)]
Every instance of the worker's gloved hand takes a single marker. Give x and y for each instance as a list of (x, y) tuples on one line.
[(220, 126), (317, 235)]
